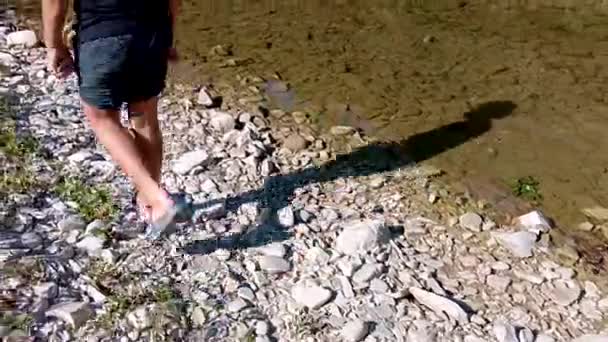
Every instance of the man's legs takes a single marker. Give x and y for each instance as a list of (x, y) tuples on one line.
[(147, 136), (121, 146)]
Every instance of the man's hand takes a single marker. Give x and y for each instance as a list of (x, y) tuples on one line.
[(60, 61)]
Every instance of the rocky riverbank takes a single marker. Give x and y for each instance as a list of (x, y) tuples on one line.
[(290, 240)]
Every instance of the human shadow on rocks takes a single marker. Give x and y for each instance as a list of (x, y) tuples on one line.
[(277, 191)]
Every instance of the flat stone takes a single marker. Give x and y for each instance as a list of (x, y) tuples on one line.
[(311, 296), (378, 286), (74, 313), (597, 213), (533, 278), (237, 305), (520, 244), (273, 264), (591, 338), (565, 293), (26, 38), (367, 272), (342, 130), (189, 161), (440, 304), (276, 249), (586, 226), (354, 331), (471, 221), (362, 236), (498, 283), (246, 293)]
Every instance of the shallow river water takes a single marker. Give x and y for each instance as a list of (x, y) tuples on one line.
[(399, 69)]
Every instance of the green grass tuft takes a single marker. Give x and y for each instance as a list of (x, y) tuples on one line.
[(94, 202)]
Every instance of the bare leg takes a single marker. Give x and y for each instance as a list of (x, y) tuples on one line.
[(121, 146), (148, 140)]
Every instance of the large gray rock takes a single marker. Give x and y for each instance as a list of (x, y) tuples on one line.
[(273, 264), (362, 236), (471, 221)]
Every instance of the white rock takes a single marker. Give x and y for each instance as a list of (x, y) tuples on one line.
[(80, 156), (6, 58), (591, 338), (440, 304), (310, 295), (237, 305), (198, 317), (362, 236), (74, 313), (222, 121), (534, 221), (286, 217), (565, 293), (471, 221), (519, 244), (354, 331), (190, 160), (598, 213), (204, 98), (471, 338), (504, 332), (273, 264), (91, 244), (367, 272), (26, 37)]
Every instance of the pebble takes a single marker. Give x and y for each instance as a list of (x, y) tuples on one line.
[(71, 223), (91, 244), (367, 272), (221, 121)]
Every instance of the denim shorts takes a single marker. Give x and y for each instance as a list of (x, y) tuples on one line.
[(121, 69)]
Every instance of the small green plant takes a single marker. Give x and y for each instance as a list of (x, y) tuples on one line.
[(16, 322), (527, 188), (94, 202), (17, 180), (164, 294), (15, 146)]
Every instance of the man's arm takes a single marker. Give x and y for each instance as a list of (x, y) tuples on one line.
[(53, 19)]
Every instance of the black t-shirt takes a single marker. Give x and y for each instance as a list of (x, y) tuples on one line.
[(106, 18)]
